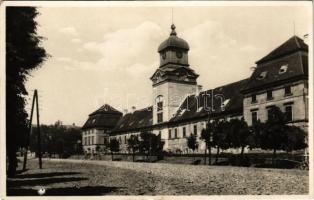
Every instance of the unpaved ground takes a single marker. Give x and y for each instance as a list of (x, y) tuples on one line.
[(77, 177)]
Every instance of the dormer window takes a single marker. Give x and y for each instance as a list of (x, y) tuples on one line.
[(262, 75), (283, 69), (199, 109), (181, 112)]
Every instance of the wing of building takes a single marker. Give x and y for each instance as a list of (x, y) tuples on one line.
[(180, 107)]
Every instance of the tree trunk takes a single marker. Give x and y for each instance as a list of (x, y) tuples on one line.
[(217, 155), (242, 152), (274, 157), (209, 155), (205, 154), (111, 156), (12, 163), (133, 155)]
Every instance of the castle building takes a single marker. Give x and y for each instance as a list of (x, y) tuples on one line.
[(180, 107)]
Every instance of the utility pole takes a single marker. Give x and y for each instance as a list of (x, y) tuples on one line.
[(28, 134), (38, 131), (35, 100)]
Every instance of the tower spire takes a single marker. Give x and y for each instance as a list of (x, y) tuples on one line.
[(173, 30)]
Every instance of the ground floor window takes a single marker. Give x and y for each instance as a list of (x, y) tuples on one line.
[(254, 117), (288, 113)]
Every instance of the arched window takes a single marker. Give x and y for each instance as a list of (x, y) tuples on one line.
[(159, 104)]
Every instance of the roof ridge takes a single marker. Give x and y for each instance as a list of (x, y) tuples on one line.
[(296, 40)]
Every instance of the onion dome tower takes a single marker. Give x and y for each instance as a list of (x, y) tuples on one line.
[(174, 79)]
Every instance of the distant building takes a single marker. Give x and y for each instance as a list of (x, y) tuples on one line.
[(180, 107), (96, 129)]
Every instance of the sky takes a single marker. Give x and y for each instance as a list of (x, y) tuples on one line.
[(107, 55)]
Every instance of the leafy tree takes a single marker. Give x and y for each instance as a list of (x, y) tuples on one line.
[(273, 135), (23, 54), (205, 135), (192, 142), (57, 139), (221, 136), (295, 139), (133, 145), (114, 146), (240, 134), (150, 143)]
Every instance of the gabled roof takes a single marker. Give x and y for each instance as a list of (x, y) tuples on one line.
[(136, 120), (105, 117), (106, 109), (290, 46), (291, 56), (201, 105)]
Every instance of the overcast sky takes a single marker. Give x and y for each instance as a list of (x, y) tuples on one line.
[(107, 55)]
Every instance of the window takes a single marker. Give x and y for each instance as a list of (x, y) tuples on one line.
[(283, 69), (183, 132), (175, 133), (92, 142), (159, 103), (159, 106), (254, 98), (288, 112), (195, 129), (254, 117), (262, 75), (288, 90), (169, 134), (159, 117), (125, 140), (269, 94)]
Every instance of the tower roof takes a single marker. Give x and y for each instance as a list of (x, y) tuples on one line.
[(104, 117), (173, 41)]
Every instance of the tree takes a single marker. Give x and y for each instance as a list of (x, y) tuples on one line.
[(114, 146), (295, 139), (192, 142), (150, 143), (206, 135), (240, 134), (221, 136), (23, 54), (273, 135), (133, 145), (57, 139)]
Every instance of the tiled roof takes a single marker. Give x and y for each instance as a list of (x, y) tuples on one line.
[(104, 117), (290, 46), (135, 120), (199, 106), (280, 69)]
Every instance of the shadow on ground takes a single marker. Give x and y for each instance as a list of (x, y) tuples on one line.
[(44, 175), (41, 181), (66, 191)]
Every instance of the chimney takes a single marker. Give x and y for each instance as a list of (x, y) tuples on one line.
[(133, 108)]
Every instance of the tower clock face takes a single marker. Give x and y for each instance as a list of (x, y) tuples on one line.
[(179, 54)]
